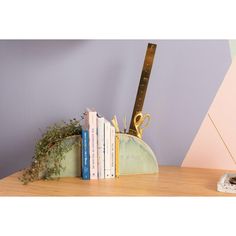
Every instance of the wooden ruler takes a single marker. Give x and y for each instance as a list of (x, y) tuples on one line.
[(147, 67)]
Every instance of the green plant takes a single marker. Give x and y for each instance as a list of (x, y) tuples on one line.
[(50, 150)]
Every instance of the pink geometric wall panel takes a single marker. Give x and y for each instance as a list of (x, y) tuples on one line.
[(215, 143), (207, 150), (223, 110)]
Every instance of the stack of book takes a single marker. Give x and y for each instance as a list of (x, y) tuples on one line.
[(99, 147)]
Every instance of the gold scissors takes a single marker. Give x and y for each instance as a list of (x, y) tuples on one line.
[(141, 121)]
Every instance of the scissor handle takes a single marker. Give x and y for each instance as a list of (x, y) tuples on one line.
[(139, 120)]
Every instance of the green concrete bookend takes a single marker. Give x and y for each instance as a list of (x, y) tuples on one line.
[(72, 160), (135, 156)]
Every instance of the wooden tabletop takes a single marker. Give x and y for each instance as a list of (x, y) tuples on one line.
[(170, 181)]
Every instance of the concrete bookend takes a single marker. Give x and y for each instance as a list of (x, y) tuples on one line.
[(72, 160), (135, 156)]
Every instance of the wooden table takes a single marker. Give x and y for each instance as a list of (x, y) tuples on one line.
[(170, 181)]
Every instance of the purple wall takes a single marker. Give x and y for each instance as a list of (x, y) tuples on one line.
[(42, 82)]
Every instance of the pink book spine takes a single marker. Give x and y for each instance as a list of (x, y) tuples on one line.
[(92, 115)]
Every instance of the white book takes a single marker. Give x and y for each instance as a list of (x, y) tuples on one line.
[(101, 147), (91, 123), (113, 157), (107, 149)]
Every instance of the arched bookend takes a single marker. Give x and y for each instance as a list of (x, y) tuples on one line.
[(135, 156)]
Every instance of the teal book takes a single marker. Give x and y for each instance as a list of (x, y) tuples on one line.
[(85, 155)]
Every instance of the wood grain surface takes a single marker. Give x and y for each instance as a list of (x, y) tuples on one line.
[(170, 181)]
